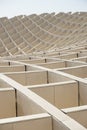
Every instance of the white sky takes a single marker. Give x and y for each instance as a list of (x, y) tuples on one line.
[(11, 8)]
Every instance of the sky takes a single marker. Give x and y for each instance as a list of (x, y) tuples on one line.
[(11, 8)]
